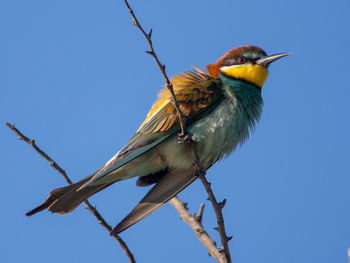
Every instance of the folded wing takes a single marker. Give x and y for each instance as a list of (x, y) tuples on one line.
[(196, 93), (171, 184)]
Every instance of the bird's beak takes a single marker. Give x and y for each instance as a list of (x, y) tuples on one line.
[(265, 61)]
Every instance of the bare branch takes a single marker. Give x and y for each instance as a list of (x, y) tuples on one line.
[(198, 229), (186, 138), (32, 143), (220, 219), (160, 65), (91, 208)]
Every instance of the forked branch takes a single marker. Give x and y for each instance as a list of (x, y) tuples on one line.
[(195, 223)]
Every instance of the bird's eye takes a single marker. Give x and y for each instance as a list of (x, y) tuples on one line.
[(241, 60)]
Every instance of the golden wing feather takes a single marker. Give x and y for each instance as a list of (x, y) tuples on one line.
[(194, 91)]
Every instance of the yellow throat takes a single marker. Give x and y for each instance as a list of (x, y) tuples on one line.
[(252, 73)]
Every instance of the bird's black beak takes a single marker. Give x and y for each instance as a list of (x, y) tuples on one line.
[(265, 61)]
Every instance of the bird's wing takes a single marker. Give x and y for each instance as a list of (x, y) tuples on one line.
[(196, 93), (169, 186)]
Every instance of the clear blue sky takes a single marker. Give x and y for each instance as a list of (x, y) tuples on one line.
[(75, 77)]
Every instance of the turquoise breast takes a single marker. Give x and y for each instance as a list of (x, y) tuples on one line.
[(226, 127)]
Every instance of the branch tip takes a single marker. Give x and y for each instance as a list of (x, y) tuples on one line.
[(11, 126), (222, 204), (150, 34), (199, 216), (185, 204)]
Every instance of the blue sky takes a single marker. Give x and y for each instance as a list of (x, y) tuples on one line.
[(75, 77)]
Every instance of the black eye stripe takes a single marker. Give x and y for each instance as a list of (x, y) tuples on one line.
[(229, 62), (249, 59), (233, 61)]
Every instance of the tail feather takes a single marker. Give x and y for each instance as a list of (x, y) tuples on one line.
[(166, 188), (54, 195), (74, 198), (65, 199)]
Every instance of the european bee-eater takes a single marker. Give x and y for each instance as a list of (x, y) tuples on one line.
[(220, 106)]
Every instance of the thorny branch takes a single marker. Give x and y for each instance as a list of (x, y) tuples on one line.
[(195, 223), (160, 65), (186, 138), (91, 208)]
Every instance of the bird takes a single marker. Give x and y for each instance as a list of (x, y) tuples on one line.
[(221, 106)]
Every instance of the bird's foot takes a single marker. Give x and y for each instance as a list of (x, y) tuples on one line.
[(184, 138)]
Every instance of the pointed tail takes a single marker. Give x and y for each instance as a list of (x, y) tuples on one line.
[(169, 186), (65, 199)]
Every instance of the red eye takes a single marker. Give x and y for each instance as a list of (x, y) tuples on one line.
[(241, 60)]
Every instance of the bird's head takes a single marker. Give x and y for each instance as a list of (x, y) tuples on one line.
[(247, 63)]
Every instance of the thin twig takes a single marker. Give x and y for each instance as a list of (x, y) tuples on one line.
[(91, 208), (197, 228), (161, 67), (186, 138)]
